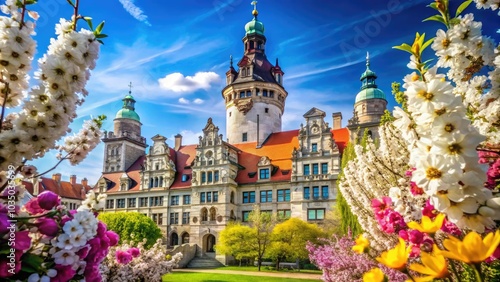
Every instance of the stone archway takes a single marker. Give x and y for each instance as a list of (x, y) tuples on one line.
[(209, 243), (174, 239), (185, 238)]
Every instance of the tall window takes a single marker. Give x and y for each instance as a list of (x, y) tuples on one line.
[(186, 199), (203, 177), (249, 197), (316, 192), (157, 218), (131, 202), (204, 214), (284, 195), (315, 169), (315, 214), (216, 176), (264, 173), (143, 202), (314, 147), (307, 170), (209, 177), (174, 200), (202, 197), (215, 197), (264, 93), (284, 214), (174, 218), (120, 203), (244, 137), (324, 192), (110, 204), (242, 93), (307, 193), (245, 215), (266, 196), (185, 218), (209, 197), (324, 168), (157, 201)]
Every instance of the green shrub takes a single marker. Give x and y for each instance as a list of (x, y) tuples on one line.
[(132, 227)]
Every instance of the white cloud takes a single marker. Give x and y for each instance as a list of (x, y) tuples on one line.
[(184, 101), (135, 11), (188, 137), (198, 101), (179, 83)]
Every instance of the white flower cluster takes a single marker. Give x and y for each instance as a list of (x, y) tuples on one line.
[(150, 265), (17, 50), (51, 106), (488, 4), (93, 202), (464, 50), (371, 175), (79, 145), (77, 232), (444, 153)]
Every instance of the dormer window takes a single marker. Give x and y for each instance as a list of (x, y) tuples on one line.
[(314, 147), (264, 93), (264, 173), (242, 94), (271, 94), (185, 177)]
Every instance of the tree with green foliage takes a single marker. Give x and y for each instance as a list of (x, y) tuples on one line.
[(263, 224), (132, 227), (238, 240), (348, 220), (289, 239)]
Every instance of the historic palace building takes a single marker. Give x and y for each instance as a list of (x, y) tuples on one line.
[(192, 191)]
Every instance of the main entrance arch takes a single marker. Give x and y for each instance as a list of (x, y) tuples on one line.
[(209, 243)]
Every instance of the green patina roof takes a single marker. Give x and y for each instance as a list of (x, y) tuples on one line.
[(368, 72), (370, 93), (130, 97), (127, 113), (254, 26)]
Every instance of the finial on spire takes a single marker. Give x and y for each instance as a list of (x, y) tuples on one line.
[(130, 88), (254, 12), (277, 62), (231, 61), (367, 59)]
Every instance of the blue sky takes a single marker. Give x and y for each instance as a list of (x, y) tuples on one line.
[(176, 54)]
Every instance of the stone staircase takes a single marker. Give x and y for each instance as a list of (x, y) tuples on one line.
[(204, 262)]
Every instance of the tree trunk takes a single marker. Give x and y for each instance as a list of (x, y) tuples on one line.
[(278, 264), (259, 262)]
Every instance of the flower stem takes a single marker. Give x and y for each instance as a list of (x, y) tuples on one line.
[(477, 272), (455, 270), (75, 15), (4, 104), (23, 12)]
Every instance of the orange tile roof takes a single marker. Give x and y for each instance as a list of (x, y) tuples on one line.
[(341, 137), (185, 156), (133, 172), (28, 186), (64, 188)]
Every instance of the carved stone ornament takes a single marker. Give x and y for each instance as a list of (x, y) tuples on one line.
[(264, 160), (244, 105), (195, 219), (219, 218)]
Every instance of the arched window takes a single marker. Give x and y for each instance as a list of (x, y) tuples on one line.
[(161, 181), (151, 182), (124, 187), (204, 214), (231, 200), (174, 239), (185, 238), (213, 214), (156, 181)]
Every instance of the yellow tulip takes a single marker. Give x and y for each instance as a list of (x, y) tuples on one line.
[(396, 258), (427, 225), (434, 266), (362, 245), (472, 249), (374, 275)]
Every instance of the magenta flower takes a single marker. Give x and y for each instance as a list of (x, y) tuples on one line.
[(4, 223), (48, 200), (123, 257), (64, 273), (135, 252), (429, 210), (113, 238), (22, 240), (83, 252), (379, 206), (33, 207), (5, 264), (47, 226)]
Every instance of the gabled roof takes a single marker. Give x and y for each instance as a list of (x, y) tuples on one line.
[(261, 69), (133, 172), (185, 156), (314, 112), (64, 188)]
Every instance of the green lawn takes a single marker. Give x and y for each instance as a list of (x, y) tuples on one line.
[(266, 269), (215, 277)]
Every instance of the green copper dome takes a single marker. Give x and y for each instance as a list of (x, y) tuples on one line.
[(370, 93), (254, 26), (369, 89), (128, 109)]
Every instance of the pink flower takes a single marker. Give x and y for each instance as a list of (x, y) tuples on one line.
[(92, 273), (64, 273), (135, 252), (47, 226), (48, 200), (415, 237), (415, 190), (33, 207), (450, 228), (429, 210), (123, 257), (83, 252), (6, 264), (22, 240), (113, 238), (4, 223), (379, 206)]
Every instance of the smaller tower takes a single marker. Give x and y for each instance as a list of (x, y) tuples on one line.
[(369, 106), (125, 145)]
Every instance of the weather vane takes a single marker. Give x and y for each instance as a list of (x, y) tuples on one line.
[(367, 59), (254, 12), (130, 88)]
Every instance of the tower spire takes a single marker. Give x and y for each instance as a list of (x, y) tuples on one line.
[(255, 12), (367, 59), (231, 61), (130, 88)]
